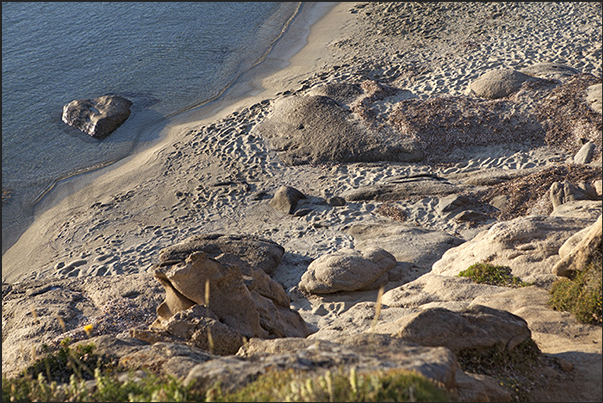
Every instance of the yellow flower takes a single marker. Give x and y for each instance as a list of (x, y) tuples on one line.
[(88, 329)]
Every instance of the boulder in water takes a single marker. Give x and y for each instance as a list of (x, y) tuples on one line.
[(97, 117)]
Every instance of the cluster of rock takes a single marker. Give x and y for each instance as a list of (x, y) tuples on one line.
[(211, 311), (345, 122), (218, 303)]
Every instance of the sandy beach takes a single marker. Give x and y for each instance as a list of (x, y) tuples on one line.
[(215, 169), (141, 193)]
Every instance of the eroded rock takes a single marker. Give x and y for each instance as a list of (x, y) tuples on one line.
[(583, 253), (216, 303)]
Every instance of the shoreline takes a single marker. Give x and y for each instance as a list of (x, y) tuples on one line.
[(145, 190), (501, 180), (248, 86)]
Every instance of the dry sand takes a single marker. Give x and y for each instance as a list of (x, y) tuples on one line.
[(210, 168), (162, 194)]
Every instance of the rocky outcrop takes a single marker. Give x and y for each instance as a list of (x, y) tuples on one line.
[(317, 356), (528, 245), (348, 270), (583, 253), (259, 252), (97, 117), (316, 128), (216, 303)]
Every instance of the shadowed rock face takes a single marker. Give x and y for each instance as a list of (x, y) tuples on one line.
[(97, 117)]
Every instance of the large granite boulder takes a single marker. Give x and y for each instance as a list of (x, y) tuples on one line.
[(348, 270), (498, 83), (97, 117), (316, 129)]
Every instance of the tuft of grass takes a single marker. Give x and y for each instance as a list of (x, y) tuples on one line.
[(67, 375), (512, 369), (102, 388), (582, 295), (80, 375), (486, 273), (395, 385)]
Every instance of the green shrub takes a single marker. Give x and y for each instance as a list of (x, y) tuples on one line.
[(485, 273), (62, 376), (394, 385), (581, 295)]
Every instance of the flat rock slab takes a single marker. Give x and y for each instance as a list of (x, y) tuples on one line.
[(554, 71), (401, 191), (97, 117), (528, 245), (407, 243)]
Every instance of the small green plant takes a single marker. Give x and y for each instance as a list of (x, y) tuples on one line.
[(486, 273), (64, 375), (394, 385), (582, 295), (61, 364)]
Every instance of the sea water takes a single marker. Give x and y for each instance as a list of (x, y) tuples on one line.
[(165, 57)]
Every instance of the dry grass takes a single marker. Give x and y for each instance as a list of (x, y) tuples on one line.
[(567, 118), (393, 212), (443, 123), (527, 192)]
